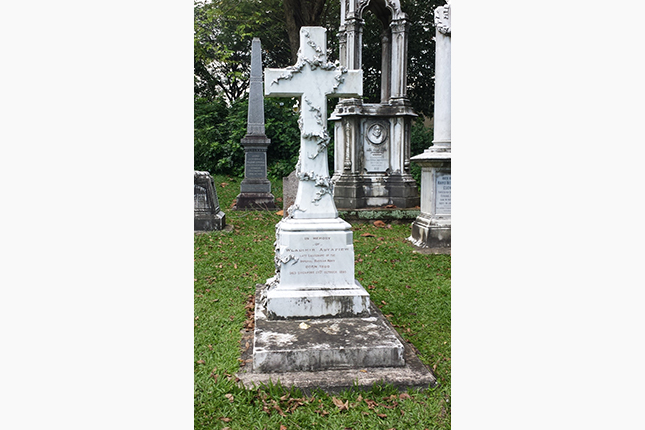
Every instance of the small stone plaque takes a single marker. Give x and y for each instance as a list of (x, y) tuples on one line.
[(442, 193), (255, 165)]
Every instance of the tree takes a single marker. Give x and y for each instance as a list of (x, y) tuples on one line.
[(224, 30), (301, 13)]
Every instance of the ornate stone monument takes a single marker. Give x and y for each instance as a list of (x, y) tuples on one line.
[(208, 215), (255, 189), (372, 140), (313, 314), (432, 227), (314, 248), (314, 324)]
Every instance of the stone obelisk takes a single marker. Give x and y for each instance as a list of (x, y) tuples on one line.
[(255, 189)]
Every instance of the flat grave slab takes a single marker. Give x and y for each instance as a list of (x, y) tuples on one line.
[(330, 353)]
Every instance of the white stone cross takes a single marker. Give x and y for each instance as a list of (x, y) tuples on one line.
[(313, 79)]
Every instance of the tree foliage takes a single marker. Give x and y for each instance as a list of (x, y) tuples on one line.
[(224, 30)]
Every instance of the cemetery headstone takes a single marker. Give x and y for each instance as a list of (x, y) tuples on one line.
[(314, 252), (208, 215), (289, 190), (432, 227), (372, 140), (255, 188)]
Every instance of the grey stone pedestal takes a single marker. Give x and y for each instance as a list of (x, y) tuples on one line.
[(432, 227)]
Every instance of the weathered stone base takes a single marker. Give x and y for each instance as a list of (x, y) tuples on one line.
[(255, 201), (375, 190), (331, 354), (210, 221), (323, 344), (346, 302), (427, 234)]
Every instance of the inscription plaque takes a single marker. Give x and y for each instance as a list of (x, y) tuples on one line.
[(316, 259), (442, 193), (255, 165)]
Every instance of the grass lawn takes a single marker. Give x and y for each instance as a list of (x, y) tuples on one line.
[(412, 290)]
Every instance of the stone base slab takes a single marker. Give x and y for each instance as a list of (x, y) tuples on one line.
[(255, 201), (323, 344), (427, 234), (331, 354), (314, 303), (373, 190), (210, 221)]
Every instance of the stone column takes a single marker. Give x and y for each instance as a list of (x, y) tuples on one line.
[(399, 59), (432, 227), (255, 189), (442, 80), (386, 63)]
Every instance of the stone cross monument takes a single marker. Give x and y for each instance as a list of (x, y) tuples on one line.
[(313, 315), (255, 189), (314, 253), (432, 227)]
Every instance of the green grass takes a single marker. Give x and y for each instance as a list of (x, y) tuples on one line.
[(412, 290)]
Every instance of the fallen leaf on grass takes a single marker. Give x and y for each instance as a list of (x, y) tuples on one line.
[(379, 224), (225, 419), (283, 427), (277, 408), (381, 415), (371, 404), (367, 235), (229, 397), (339, 403), (201, 362), (280, 212), (404, 396)]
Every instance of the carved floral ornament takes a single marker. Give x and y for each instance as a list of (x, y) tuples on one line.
[(442, 19)]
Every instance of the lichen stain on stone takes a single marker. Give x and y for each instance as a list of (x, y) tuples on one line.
[(281, 339)]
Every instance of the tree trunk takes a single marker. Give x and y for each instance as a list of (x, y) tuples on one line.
[(299, 13)]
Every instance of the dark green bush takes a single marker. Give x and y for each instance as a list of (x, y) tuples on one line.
[(421, 139), (219, 130)]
